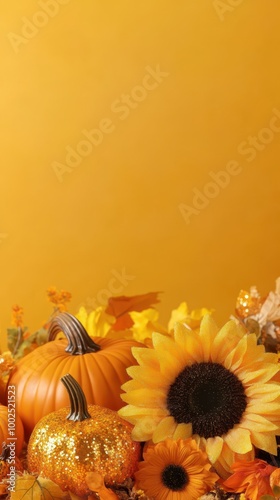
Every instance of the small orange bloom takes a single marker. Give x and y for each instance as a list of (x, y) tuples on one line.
[(174, 469), (251, 478), (17, 316), (274, 480), (58, 298)]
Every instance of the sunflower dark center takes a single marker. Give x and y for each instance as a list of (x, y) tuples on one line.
[(209, 396), (174, 477)]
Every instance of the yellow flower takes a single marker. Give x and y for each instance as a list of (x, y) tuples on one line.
[(183, 315), (175, 469), (145, 323), (215, 385), (17, 316), (97, 323)]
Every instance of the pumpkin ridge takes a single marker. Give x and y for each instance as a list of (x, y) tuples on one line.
[(96, 378)]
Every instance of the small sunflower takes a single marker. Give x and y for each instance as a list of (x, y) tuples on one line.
[(215, 385), (175, 469)]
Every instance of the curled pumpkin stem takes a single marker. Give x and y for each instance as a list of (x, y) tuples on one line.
[(79, 342), (78, 404)]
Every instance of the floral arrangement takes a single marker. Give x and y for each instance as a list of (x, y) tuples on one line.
[(200, 404)]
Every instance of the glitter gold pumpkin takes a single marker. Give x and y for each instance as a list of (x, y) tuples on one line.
[(64, 446), (98, 364)]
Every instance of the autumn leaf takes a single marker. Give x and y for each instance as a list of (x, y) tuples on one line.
[(29, 487), (95, 482), (119, 307)]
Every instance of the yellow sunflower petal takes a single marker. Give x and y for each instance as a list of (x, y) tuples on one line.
[(263, 374), (235, 356), (264, 408), (146, 398), (147, 377), (168, 354), (208, 331), (145, 356), (164, 429), (239, 440), (257, 423), (265, 441), (132, 413), (264, 392), (183, 431), (214, 448), (229, 335), (145, 428), (131, 385), (189, 342)]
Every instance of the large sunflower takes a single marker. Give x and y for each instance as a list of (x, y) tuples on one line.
[(215, 385), (172, 470)]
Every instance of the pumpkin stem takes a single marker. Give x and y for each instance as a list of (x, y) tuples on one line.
[(79, 342), (5, 452), (19, 340), (78, 403)]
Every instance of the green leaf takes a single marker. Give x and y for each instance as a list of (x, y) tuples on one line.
[(276, 490), (13, 336), (32, 342)]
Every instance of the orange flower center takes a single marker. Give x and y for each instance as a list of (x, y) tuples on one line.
[(208, 396), (174, 477)]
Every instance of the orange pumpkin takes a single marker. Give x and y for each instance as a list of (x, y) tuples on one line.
[(11, 427), (65, 446), (99, 366)]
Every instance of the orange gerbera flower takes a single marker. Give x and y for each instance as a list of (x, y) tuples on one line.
[(252, 478), (17, 316), (172, 470)]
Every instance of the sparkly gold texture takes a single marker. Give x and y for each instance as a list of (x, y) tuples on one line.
[(248, 303), (65, 451)]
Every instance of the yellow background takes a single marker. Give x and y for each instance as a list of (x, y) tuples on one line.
[(120, 207)]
